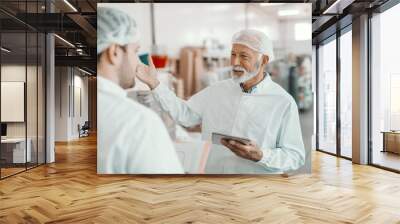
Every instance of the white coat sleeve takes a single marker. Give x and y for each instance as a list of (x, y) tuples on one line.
[(155, 152), (186, 113), (290, 153)]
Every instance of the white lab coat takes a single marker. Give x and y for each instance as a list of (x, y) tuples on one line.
[(268, 116), (131, 139)]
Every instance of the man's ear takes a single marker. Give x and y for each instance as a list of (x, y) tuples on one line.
[(112, 54)]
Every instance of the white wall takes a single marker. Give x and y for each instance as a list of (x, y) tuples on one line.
[(288, 42), (14, 73), (68, 82), (34, 126), (192, 23), (61, 103), (80, 83), (17, 73), (265, 22), (188, 24)]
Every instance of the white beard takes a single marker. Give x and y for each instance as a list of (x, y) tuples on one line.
[(246, 76), (243, 78)]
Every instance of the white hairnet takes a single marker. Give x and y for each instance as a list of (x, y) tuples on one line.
[(255, 40), (114, 27)]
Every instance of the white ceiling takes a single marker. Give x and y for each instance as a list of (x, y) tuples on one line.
[(285, 11)]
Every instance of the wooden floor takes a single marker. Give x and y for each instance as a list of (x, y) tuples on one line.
[(387, 159), (5, 172), (70, 191), (10, 171)]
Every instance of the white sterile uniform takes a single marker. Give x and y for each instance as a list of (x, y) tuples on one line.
[(268, 116), (131, 138)]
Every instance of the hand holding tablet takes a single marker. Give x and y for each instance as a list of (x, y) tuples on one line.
[(217, 137)]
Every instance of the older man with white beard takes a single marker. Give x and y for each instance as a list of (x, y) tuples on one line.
[(250, 105)]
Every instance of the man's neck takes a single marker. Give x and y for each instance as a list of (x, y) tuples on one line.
[(107, 74), (253, 82)]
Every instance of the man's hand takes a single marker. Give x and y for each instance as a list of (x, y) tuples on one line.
[(250, 152), (148, 74)]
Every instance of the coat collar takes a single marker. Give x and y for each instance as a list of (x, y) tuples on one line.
[(261, 88), (108, 86)]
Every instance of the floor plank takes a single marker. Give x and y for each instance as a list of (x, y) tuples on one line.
[(70, 191)]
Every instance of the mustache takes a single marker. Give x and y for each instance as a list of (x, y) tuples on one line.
[(238, 68)]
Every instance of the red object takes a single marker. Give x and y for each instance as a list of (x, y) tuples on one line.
[(159, 61)]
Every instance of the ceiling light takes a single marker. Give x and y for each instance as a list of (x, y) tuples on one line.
[(270, 4), (338, 6), (70, 5), (64, 40), (288, 12), (84, 71), (220, 7), (5, 50)]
